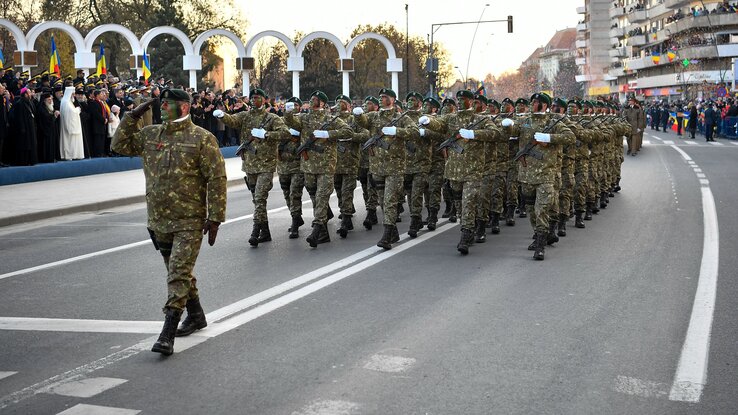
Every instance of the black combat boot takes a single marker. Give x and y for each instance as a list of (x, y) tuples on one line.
[(195, 319), (371, 219), (432, 218), (481, 231), (265, 235), (495, 224), (395, 234), (386, 241), (447, 209), (588, 211), (254, 239), (578, 222), (318, 236), (400, 209), (617, 186), (452, 214), (540, 249), (552, 237), (603, 200), (596, 203), (467, 237), (346, 225), (330, 213), (165, 343), (562, 225), (532, 246), (296, 223), (415, 225), (510, 216), (523, 213)]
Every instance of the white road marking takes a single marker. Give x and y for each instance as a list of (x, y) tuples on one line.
[(691, 373), (734, 143), (87, 387), (692, 143), (642, 388), (701, 175), (697, 169), (685, 156), (329, 408), (79, 325), (84, 409), (668, 142), (4, 375), (646, 142), (389, 364), (715, 143)]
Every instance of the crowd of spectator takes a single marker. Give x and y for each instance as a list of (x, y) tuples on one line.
[(711, 117)]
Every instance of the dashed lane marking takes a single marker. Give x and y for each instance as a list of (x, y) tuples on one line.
[(4, 375), (84, 409), (329, 408), (692, 143), (389, 364), (715, 143), (87, 387), (642, 388), (668, 142)]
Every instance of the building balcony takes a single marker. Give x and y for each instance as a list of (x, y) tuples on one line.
[(614, 59), (581, 10), (580, 61), (637, 16), (581, 43), (618, 52), (609, 77), (639, 40), (583, 78), (659, 36), (638, 63), (616, 12), (581, 27), (617, 32), (728, 50), (698, 52), (616, 72), (676, 3), (658, 10), (702, 22)]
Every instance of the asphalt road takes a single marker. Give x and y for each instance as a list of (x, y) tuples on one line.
[(598, 327)]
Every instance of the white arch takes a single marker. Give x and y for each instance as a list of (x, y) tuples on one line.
[(35, 32), (20, 38), (371, 35), (161, 30), (136, 48), (202, 37), (291, 51), (322, 35)]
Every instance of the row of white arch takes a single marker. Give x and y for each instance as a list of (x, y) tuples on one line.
[(85, 59)]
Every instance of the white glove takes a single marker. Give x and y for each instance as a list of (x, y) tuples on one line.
[(513, 138), (294, 132), (218, 114), (389, 130), (424, 120), (258, 133), (289, 107), (507, 122), (421, 131), (638, 131), (320, 134), (542, 137), (467, 134), (358, 111)]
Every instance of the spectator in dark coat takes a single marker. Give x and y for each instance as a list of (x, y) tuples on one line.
[(47, 131), (98, 125), (692, 123), (712, 118), (24, 129)]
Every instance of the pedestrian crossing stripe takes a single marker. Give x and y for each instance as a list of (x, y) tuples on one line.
[(84, 409), (646, 142), (4, 375), (715, 143), (692, 143)]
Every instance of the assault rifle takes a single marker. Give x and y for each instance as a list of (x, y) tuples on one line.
[(529, 149), (452, 142), (248, 145), (310, 144), (378, 141)]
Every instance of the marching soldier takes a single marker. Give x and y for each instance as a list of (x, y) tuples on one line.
[(291, 178), (438, 164), (419, 156), (521, 112), (581, 160), (511, 179), (368, 192)]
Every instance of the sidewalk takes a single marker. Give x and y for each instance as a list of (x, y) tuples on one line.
[(34, 201)]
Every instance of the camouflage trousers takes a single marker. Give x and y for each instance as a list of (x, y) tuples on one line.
[(566, 193), (581, 183), (594, 181), (319, 187), (554, 206), (415, 185), (538, 200), (259, 184), (485, 197), (345, 184), (512, 188), (367, 191), (389, 192), (466, 196), (499, 187), (292, 185), (179, 250), (435, 184)]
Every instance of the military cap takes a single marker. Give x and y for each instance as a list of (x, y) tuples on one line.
[(100, 82), (36, 78), (575, 102), (465, 94), (25, 74), (176, 95), (372, 99), (44, 73), (295, 100), (560, 102), (320, 95), (481, 98), (494, 103), (599, 104), (542, 98), (257, 91), (434, 102), (388, 92), (343, 98), (79, 84), (521, 101), (414, 95), (449, 101), (69, 77), (130, 89), (11, 70), (508, 101), (169, 81)]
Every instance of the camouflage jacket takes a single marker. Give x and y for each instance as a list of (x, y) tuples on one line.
[(288, 161), (419, 150), (349, 148), (438, 162), (469, 164), (322, 159), (583, 137), (388, 162), (264, 159), (532, 170), (184, 170)]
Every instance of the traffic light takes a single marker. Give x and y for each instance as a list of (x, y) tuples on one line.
[(509, 24)]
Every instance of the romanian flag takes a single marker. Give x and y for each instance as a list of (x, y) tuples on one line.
[(480, 89), (54, 62), (146, 68), (671, 55), (102, 67), (656, 57), (2, 59)]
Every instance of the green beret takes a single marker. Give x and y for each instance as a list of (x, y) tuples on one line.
[(560, 102), (434, 102), (259, 92), (508, 101), (296, 100), (449, 101), (599, 104), (521, 101), (541, 97), (465, 94), (575, 102), (481, 98), (321, 96), (343, 98), (388, 92), (494, 103), (175, 95), (414, 95), (372, 99)]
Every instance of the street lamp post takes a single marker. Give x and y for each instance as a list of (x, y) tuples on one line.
[(463, 78)]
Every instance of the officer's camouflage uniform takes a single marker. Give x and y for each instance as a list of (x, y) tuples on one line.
[(438, 165), (347, 165), (583, 133), (418, 166), (185, 185), (499, 180), (291, 179), (569, 153)]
